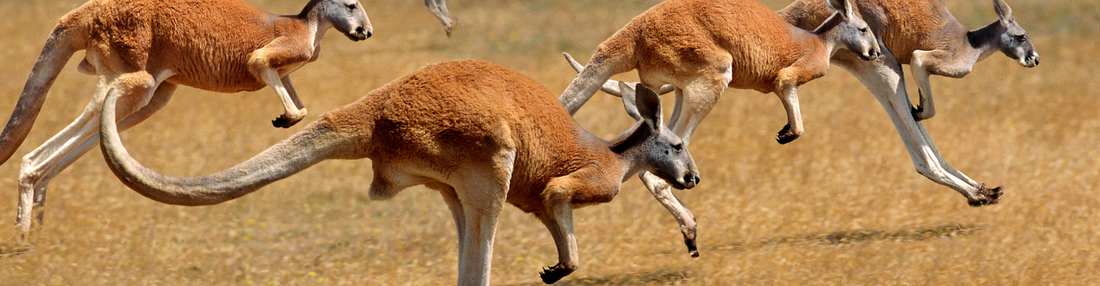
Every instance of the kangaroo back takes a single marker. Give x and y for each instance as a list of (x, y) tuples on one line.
[(902, 25)]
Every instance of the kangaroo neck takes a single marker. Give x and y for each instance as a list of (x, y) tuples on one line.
[(626, 151), (983, 41), (316, 25), (824, 37)]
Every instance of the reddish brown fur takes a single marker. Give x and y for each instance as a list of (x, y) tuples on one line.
[(406, 125), (144, 49), (667, 36), (480, 134), (908, 25), (196, 46), (702, 47)]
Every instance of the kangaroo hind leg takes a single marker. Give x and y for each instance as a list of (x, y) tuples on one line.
[(481, 188), (40, 165)]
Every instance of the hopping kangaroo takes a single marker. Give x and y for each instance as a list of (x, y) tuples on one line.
[(910, 28), (702, 47), (145, 49), (478, 133), (924, 35)]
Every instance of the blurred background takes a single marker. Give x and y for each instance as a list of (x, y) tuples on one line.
[(840, 205)]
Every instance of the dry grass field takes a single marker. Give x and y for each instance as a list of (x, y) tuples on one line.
[(840, 206)]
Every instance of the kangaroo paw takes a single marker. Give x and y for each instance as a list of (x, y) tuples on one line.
[(693, 248), (919, 114), (285, 121), (991, 196), (785, 136), (554, 273)]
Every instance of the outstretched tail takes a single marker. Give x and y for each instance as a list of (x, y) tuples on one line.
[(612, 86), (313, 144), (57, 51), (609, 60)]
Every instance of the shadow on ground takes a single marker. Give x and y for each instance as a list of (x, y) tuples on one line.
[(657, 277), (13, 249), (857, 236)]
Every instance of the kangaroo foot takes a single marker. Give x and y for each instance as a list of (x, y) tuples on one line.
[(991, 196), (785, 136), (287, 120), (919, 114), (554, 273), (693, 249)]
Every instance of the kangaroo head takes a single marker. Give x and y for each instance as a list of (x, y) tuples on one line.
[(662, 152), (848, 30), (347, 16), (1013, 40)]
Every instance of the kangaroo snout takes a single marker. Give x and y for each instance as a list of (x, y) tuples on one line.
[(360, 33), (688, 181), (1031, 60), (872, 53)]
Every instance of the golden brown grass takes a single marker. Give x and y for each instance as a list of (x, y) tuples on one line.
[(841, 205)]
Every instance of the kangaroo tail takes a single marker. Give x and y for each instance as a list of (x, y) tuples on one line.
[(607, 61), (57, 51), (313, 144)]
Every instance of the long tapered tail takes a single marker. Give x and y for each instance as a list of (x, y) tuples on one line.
[(51, 60), (612, 86), (313, 144), (592, 78)]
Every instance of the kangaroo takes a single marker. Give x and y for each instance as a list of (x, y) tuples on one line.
[(702, 47), (883, 78), (924, 35), (144, 49), (478, 133)]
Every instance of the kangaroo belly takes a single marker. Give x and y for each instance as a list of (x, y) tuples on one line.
[(219, 81)]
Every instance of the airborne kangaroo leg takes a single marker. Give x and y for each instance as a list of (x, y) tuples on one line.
[(439, 9), (558, 218), (38, 167), (936, 62), (160, 98), (788, 94), (292, 113), (265, 64), (293, 93), (883, 77)]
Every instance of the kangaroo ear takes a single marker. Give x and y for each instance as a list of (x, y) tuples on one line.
[(844, 7), (1004, 13), (649, 106), (629, 102)]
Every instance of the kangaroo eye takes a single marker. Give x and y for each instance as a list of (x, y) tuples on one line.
[(351, 7), (678, 147), (1020, 38), (862, 30)]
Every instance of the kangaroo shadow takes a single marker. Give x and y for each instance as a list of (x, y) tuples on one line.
[(858, 236), (13, 249), (656, 277)]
